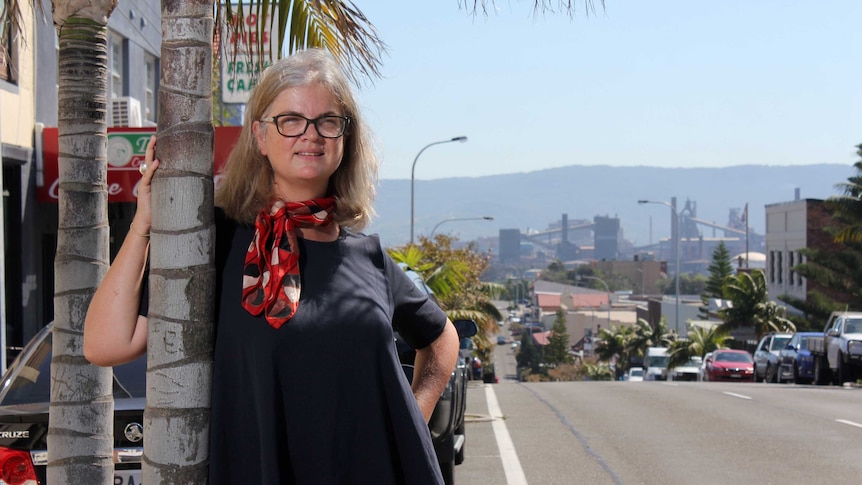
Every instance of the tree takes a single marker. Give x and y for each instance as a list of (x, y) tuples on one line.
[(719, 269), (454, 276), (700, 341), (557, 351), (750, 308), (80, 436), (646, 335), (614, 344), (182, 278), (847, 207), (528, 358)]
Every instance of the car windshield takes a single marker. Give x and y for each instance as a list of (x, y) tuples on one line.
[(32, 382), (853, 326), (732, 357), (637, 373), (779, 343), (803, 343), (658, 361)]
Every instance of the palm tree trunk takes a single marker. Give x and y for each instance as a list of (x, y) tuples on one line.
[(182, 277), (80, 434)]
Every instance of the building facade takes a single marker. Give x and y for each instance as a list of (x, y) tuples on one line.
[(28, 105)]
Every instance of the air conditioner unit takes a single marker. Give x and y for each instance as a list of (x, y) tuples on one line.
[(125, 111)]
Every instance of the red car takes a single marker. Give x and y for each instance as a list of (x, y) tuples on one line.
[(729, 365)]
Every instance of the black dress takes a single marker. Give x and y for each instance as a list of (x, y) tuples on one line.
[(323, 399)]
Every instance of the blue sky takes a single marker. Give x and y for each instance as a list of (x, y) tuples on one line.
[(672, 83)]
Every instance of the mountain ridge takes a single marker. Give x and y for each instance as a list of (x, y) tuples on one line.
[(533, 200)]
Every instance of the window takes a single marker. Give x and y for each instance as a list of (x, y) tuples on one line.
[(779, 266), (117, 63), (150, 106), (7, 46), (791, 280)]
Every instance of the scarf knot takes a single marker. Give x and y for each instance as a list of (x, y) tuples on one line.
[(271, 281)]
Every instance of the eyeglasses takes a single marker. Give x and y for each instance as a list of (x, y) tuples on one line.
[(290, 126)]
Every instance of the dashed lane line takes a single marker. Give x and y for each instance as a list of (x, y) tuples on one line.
[(740, 396)]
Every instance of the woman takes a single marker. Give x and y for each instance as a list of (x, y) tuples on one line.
[(307, 387)]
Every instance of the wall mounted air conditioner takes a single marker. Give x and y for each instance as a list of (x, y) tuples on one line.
[(125, 111)]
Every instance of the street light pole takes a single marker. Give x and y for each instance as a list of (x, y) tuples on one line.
[(483, 218), (606, 288), (461, 139), (678, 244)]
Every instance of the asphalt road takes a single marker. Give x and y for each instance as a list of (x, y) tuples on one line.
[(658, 432)]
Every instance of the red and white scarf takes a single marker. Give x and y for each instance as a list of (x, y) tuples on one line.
[(271, 283)]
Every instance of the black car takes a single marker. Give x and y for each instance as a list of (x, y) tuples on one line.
[(447, 420), (25, 396)]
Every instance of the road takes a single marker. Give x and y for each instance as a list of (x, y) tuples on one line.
[(658, 432)]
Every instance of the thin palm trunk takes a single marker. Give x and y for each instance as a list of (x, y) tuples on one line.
[(182, 278), (80, 434)]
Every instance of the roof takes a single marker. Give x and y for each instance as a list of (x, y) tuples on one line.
[(582, 300)]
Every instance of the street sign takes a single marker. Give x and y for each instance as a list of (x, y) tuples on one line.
[(239, 67)]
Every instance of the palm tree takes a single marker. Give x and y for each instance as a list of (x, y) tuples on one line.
[(847, 207), (80, 437), (453, 276), (646, 335), (750, 308), (700, 341), (615, 343), (182, 279)]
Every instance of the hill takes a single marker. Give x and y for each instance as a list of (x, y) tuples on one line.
[(533, 200)]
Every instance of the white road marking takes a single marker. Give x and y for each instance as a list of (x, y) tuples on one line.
[(850, 423), (741, 396), (511, 463)]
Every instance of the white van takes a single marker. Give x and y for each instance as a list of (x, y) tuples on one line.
[(655, 364)]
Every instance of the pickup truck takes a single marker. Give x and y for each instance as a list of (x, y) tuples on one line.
[(838, 353)]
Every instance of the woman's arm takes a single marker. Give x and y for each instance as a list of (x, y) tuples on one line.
[(433, 367), (114, 333)]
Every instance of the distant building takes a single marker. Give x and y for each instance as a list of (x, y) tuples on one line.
[(607, 237), (510, 245), (791, 226)]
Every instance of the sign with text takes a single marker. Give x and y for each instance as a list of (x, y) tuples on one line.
[(239, 67), (126, 151)]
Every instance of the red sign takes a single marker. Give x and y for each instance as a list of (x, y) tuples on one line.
[(126, 149)]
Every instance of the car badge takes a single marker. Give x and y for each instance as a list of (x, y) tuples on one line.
[(134, 432)]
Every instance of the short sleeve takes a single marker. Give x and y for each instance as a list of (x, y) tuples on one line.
[(416, 316)]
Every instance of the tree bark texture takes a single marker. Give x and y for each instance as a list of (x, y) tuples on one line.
[(182, 275), (80, 434)]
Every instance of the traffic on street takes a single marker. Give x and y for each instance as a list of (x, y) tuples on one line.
[(618, 432)]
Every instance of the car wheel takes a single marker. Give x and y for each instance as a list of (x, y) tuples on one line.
[(448, 471)]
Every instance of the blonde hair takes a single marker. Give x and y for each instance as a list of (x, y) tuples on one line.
[(247, 183)]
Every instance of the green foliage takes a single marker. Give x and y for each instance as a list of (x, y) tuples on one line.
[(700, 341), (719, 269), (689, 284), (750, 308), (453, 274), (528, 357), (557, 351)]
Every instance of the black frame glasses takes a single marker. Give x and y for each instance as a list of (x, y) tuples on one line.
[(343, 120)]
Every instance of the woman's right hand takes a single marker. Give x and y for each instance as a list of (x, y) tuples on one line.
[(144, 214)]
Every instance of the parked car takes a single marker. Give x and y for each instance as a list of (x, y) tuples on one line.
[(447, 421), (688, 371), (25, 396), (635, 374), (766, 355), (501, 340), (729, 365), (795, 361)]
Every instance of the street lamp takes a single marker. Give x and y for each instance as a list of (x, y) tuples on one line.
[(462, 139), (678, 241), (606, 288), (483, 218)]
